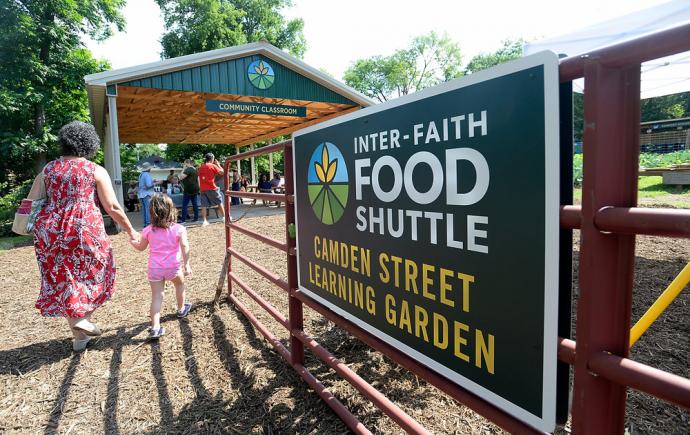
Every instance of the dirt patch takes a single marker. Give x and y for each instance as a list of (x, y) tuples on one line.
[(214, 373)]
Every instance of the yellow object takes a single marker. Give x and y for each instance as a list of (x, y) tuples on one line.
[(658, 307)]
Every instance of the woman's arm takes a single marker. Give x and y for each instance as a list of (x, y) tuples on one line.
[(108, 200)]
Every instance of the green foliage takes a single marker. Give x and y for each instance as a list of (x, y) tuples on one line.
[(647, 160), (509, 51), (196, 152), (130, 154), (193, 26), (10, 198), (42, 65), (577, 170), (429, 60), (653, 160), (665, 107)]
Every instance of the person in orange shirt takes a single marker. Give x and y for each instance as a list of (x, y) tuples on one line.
[(209, 193)]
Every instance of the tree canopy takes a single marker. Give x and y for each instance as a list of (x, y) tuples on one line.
[(430, 59), (42, 65), (509, 50), (193, 26)]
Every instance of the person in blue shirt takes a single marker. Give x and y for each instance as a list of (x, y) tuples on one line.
[(146, 191), (264, 185)]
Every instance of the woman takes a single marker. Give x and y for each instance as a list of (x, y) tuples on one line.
[(74, 254)]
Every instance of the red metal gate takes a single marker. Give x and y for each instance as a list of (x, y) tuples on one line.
[(608, 220)]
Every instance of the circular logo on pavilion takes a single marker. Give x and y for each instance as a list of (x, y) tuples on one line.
[(261, 74), (327, 178)]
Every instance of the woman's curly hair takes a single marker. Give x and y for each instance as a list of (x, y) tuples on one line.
[(79, 139)]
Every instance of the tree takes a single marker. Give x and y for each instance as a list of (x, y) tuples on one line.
[(509, 51), (42, 65), (180, 152), (193, 26), (429, 60), (665, 107)]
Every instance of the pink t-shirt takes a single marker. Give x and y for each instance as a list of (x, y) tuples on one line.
[(164, 246)]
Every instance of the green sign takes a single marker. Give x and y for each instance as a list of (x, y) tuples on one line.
[(255, 108), (432, 221)]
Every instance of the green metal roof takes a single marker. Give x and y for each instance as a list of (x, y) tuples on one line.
[(230, 77)]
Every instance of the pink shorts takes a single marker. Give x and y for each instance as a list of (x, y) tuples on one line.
[(163, 273)]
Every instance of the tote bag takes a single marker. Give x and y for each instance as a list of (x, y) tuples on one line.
[(26, 214)]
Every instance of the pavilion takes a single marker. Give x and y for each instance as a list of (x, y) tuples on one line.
[(237, 95)]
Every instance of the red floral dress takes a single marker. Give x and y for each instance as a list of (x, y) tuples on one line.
[(74, 254)]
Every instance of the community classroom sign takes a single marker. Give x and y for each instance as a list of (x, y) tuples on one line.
[(431, 221)]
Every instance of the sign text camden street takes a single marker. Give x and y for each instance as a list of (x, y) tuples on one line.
[(254, 108), (431, 221)]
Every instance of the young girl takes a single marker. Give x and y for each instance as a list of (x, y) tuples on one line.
[(167, 240)]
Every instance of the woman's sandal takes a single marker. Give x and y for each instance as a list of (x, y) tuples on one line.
[(87, 328), (79, 345)]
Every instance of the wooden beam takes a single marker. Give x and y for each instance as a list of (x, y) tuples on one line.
[(295, 127)]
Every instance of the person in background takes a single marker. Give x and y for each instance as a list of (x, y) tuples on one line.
[(276, 185), (169, 180), (74, 254), (190, 184), (236, 187), (244, 183), (264, 185), (131, 200), (276, 181), (175, 186), (209, 193), (146, 191)]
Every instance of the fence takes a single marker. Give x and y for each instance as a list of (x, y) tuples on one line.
[(608, 221)]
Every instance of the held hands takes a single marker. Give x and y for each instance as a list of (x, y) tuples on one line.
[(135, 239), (134, 236)]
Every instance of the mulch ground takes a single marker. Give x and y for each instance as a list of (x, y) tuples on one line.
[(214, 373)]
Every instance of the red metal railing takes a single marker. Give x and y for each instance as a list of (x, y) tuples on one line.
[(608, 220)]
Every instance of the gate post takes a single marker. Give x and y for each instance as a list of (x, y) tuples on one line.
[(611, 154), (295, 317), (228, 231)]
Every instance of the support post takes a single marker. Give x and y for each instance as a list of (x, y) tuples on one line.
[(227, 264), (253, 166), (295, 315), (238, 168), (112, 145), (611, 153)]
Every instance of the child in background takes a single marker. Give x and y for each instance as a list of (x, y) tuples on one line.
[(168, 258)]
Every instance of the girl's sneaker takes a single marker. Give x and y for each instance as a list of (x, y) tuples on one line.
[(185, 310), (155, 334)]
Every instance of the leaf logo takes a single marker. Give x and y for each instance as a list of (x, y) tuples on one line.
[(327, 183), (260, 74), (326, 170)]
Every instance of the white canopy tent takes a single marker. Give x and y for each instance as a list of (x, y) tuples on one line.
[(668, 75)]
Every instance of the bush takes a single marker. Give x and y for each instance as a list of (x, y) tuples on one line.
[(654, 160), (9, 203), (647, 160), (577, 170)]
